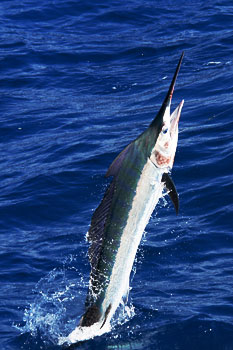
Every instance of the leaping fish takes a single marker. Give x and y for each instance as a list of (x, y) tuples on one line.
[(140, 173)]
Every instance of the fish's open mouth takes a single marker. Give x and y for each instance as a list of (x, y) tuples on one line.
[(175, 117), (162, 160)]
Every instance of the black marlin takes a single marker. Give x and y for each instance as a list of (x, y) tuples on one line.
[(140, 173)]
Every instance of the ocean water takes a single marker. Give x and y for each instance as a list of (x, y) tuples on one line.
[(79, 80)]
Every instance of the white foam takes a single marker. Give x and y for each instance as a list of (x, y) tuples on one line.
[(213, 62), (85, 333)]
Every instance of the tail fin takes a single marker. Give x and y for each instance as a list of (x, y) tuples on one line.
[(91, 316)]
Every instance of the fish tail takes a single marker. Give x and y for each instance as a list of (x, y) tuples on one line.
[(91, 316)]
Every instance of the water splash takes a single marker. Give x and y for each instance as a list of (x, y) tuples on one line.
[(123, 314), (51, 314), (58, 305)]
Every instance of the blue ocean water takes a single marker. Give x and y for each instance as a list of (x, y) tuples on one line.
[(79, 80)]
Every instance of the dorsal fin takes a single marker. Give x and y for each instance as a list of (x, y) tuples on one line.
[(171, 188), (116, 164), (98, 222), (101, 215)]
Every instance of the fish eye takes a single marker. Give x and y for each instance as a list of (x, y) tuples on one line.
[(165, 131)]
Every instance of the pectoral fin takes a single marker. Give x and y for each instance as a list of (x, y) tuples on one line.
[(170, 186)]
